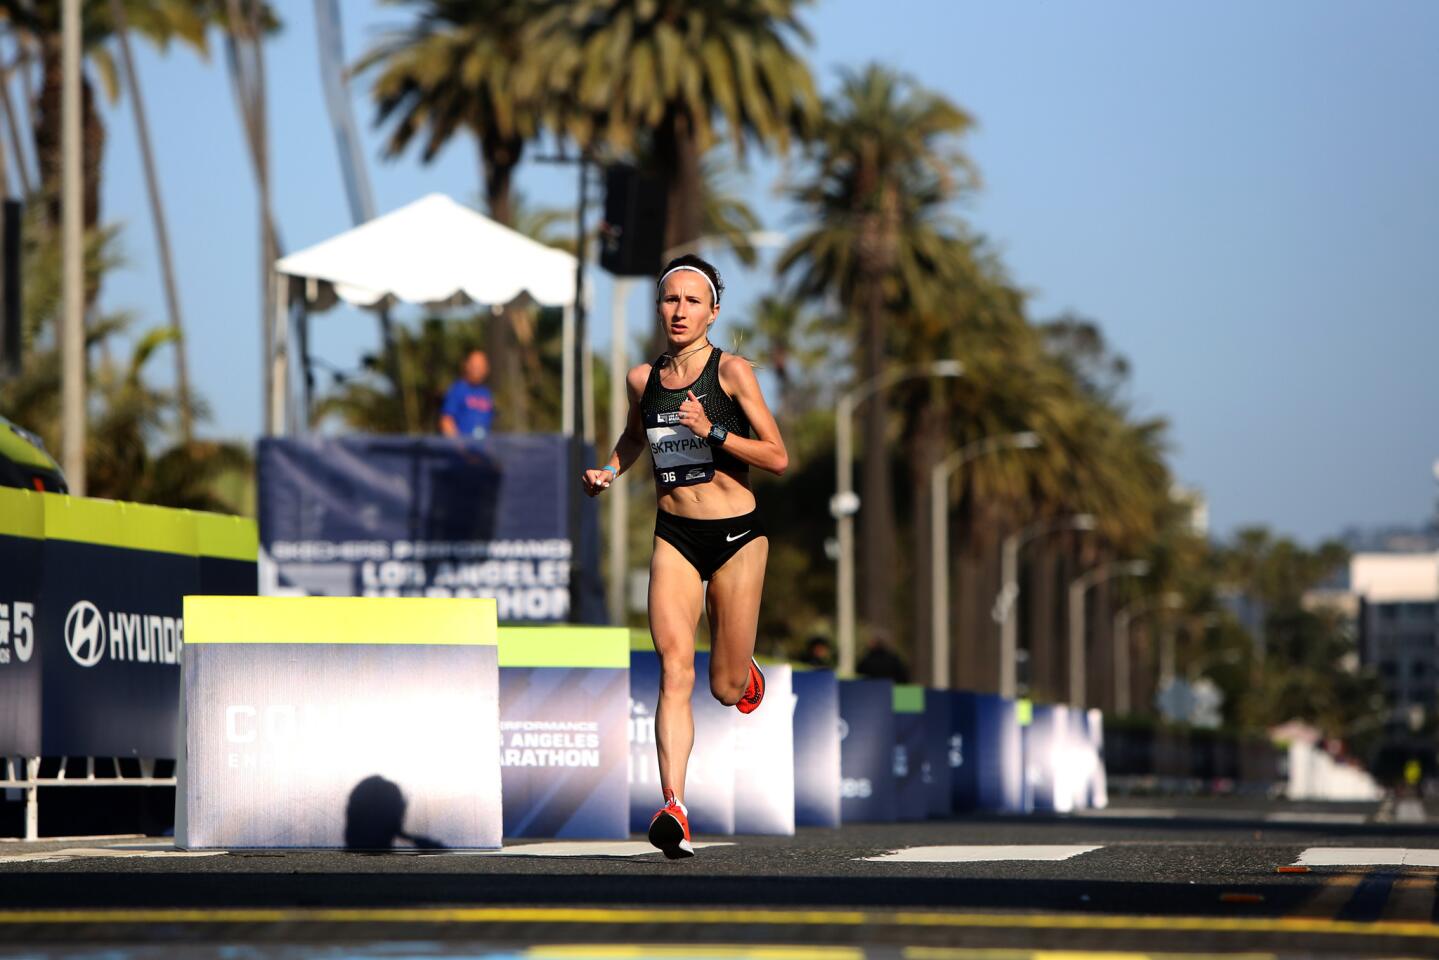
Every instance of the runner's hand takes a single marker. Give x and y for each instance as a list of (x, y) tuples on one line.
[(596, 481), (693, 415)]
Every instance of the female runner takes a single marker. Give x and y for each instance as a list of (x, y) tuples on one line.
[(706, 423)]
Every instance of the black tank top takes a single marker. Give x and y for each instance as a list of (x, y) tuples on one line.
[(680, 457)]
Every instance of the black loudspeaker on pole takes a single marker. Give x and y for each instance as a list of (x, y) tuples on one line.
[(10, 216), (633, 234)]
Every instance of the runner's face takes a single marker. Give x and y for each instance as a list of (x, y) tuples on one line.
[(685, 309)]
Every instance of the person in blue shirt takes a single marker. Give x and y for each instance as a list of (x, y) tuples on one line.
[(469, 407)]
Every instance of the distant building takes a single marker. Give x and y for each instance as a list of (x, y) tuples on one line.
[(1398, 619)]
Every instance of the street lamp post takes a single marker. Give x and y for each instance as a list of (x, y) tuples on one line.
[(1122, 620), (939, 541), (1077, 589), (845, 504), (1005, 603)]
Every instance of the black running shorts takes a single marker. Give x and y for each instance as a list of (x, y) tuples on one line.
[(707, 544)]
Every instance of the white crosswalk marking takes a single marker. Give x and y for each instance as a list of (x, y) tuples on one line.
[(980, 854), (1367, 857), (83, 853)]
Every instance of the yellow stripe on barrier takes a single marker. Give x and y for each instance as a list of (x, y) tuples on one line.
[(365, 620), (113, 523), (229, 538), (22, 514), (726, 918)]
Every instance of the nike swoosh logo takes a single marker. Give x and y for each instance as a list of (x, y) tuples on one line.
[(729, 539)]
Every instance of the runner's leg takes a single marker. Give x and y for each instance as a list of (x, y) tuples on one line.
[(676, 596), (733, 604)]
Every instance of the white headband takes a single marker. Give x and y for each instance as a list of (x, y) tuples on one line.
[(713, 292)]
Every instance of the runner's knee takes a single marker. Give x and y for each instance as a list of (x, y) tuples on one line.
[(677, 676), (726, 692)]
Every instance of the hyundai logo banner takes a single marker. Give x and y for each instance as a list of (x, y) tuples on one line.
[(764, 779), (22, 526), (110, 628), (817, 760), (710, 783), (564, 731), (357, 723), (388, 516), (867, 751)]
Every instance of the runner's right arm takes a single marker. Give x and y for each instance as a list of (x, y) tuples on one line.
[(631, 443)]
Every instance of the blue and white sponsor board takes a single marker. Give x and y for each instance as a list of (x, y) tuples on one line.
[(1098, 782), (402, 516), (326, 722), (764, 774), (940, 741), (564, 740), (709, 785), (911, 793), (817, 749), (997, 755), (867, 748), (1048, 763)]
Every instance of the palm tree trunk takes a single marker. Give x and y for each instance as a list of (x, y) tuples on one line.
[(157, 214), (876, 543), (247, 75), (47, 140), (1040, 622), (12, 128), (498, 159), (924, 441), (678, 158), (1100, 682)]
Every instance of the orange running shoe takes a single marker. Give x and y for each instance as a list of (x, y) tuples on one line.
[(670, 829), (753, 691)]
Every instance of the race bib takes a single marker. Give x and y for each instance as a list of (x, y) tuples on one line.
[(681, 457)]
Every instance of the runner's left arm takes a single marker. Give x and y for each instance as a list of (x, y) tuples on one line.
[(765, 449)]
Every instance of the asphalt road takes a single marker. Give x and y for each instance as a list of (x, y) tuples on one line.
[(1146, 876)]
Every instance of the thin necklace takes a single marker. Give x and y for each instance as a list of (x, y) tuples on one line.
[(675, 358)]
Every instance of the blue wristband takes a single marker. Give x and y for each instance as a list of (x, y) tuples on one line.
[(611, 469)]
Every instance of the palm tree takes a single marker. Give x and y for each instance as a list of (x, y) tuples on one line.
[(464, 67), (665, 79), (885, 247), (157, 215), (36, 24)]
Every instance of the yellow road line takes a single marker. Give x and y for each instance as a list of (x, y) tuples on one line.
[(723, 917)]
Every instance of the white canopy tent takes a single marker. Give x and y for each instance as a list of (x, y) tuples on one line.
[(433, 252)]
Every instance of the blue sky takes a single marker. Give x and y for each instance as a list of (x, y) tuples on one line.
[(1244, 195)]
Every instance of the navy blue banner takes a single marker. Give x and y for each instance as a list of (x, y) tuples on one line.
[(817, 749), (963, 762), (20, 653), (997, 755), (939, 741), (709, 793), (428, 517), (911, 794), (564, 751), (867, 749), (111, 641)]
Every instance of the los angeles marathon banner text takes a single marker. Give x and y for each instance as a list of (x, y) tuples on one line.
[(428, 517)]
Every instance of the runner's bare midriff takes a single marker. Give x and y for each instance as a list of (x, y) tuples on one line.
[(724, 496)]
